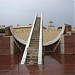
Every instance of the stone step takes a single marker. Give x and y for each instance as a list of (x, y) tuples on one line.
[(32, 51), (32, 62), (35, 56)]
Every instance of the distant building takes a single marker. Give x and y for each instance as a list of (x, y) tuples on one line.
[(50, 24), (2, 26)]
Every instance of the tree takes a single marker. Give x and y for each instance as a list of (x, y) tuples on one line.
[(59, 27), (2, 30)]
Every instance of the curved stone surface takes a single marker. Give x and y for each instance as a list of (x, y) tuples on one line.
[(50, 36)]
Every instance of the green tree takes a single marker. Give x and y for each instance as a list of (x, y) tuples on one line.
[(2, 30), (59, 27)]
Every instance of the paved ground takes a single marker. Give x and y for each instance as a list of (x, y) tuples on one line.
[(53, 65)]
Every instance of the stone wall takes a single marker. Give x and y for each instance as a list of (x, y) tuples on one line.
[(69, 44), (7, 31), (4, 45), (69, 40), (7, 45)]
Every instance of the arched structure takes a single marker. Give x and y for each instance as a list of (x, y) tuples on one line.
[(26, 34)]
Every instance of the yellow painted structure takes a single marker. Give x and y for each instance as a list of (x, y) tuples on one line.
[(48, 33)]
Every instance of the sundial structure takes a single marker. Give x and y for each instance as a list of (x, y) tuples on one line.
[(35, 37)]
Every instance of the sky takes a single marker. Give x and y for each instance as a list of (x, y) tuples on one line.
[(13, 12)]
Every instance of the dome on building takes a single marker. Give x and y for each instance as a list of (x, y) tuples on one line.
[(51, 24)]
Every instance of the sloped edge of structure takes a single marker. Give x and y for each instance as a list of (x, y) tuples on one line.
[(16, 37), (27, 44)]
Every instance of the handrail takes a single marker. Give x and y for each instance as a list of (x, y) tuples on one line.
[(40, 43), (16, 37), (28, 42), (55, 39)]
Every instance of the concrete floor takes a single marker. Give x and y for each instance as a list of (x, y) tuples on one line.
[(53, 65)]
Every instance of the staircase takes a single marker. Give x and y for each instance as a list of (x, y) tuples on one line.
[(33, 50)]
